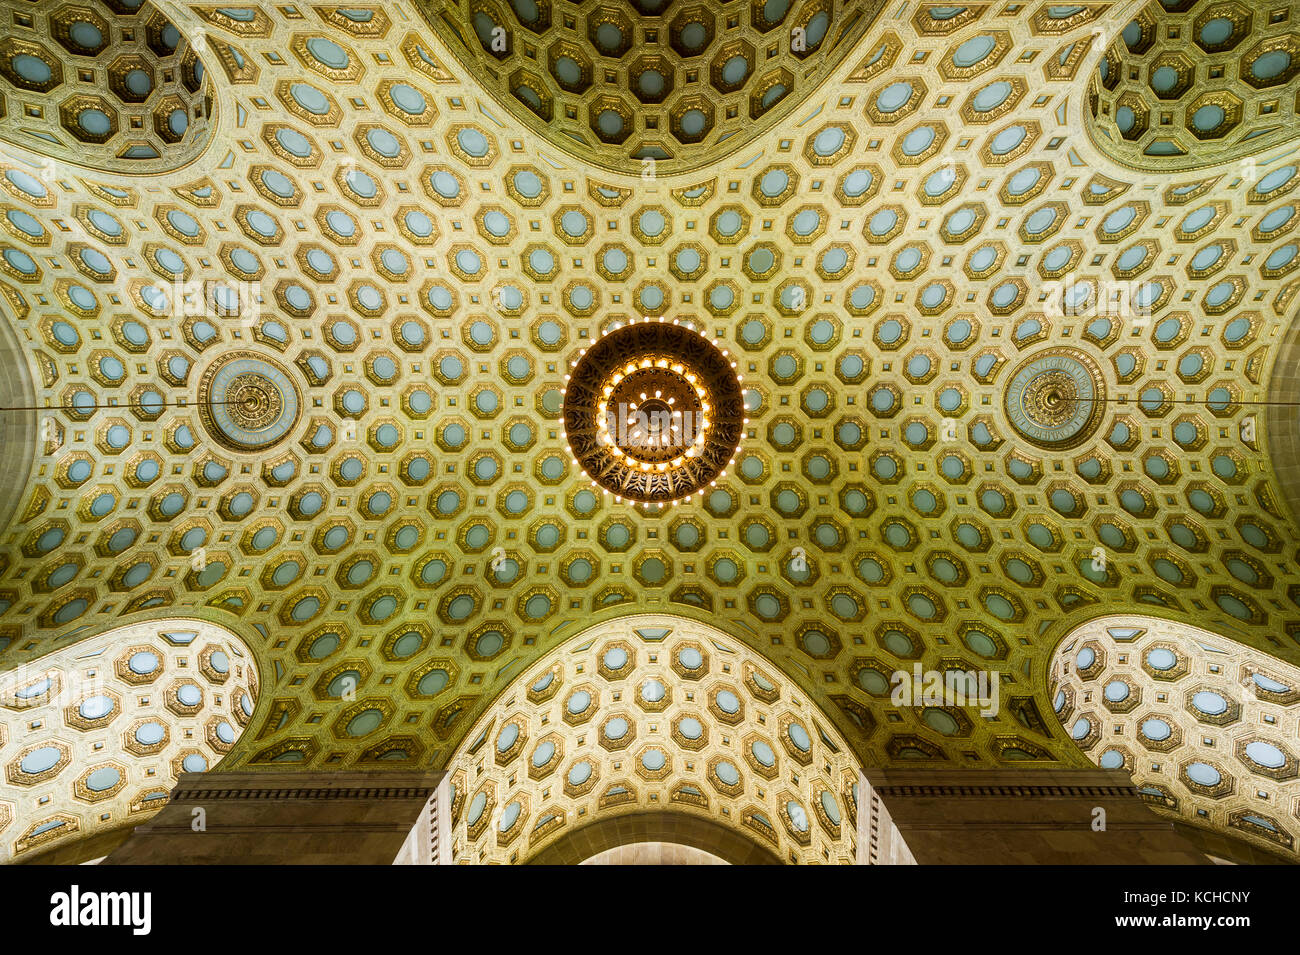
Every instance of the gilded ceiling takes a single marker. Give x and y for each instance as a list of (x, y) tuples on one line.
[(670, 86), (299, 293), (115, 86), (1185, 85)]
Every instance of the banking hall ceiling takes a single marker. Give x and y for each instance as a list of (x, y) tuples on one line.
[(311, 315)]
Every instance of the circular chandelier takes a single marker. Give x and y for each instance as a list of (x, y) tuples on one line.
[(653, 412)]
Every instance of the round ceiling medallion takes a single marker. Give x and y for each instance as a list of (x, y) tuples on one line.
[(247, 402), (653, 412), (1056, 399)]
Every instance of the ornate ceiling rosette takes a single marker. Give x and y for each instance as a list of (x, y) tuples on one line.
[(247, 402), (1056, 398), (653, 412)]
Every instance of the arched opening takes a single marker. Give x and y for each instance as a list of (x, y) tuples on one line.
[(654, 853), (654, 838)]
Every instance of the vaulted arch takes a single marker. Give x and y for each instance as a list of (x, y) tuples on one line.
[(94, 735), (649, 728), (316, 387), (1204, 725)]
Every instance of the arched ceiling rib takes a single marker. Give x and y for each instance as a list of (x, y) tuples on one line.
[(1281, 420), (20, 432)]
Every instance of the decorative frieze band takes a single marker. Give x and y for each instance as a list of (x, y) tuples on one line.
[(1118, 792), (378, 792)]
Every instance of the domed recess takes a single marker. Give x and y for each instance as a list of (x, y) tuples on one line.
[(653, 412), (1056, 398), (151, 112), (248, 402), (1150, 70), (682, 83)]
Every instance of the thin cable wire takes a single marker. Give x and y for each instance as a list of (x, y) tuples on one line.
[(1191, 401), (129, 404), (195, 404)]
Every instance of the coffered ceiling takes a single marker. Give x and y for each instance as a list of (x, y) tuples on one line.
[(299, 316), (95, 735), (1188, 85)]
